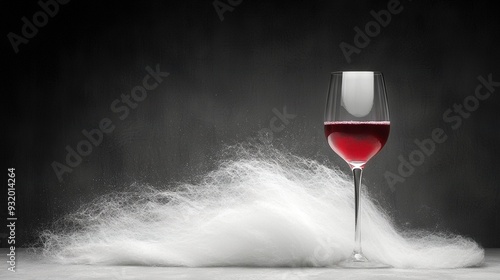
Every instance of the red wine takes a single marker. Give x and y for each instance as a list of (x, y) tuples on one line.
[(357, 142)]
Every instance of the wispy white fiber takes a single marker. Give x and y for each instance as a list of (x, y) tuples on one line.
[(261, 207)]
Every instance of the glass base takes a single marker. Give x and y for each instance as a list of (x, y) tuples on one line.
[(357, 260)]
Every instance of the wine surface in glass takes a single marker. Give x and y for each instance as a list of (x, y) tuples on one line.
[(357, 142)]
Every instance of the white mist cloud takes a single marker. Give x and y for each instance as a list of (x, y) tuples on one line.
[(261, 207)]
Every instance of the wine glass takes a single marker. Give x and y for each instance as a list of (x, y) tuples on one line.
[(357, 127)]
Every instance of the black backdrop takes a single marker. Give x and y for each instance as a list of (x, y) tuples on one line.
[(228, 79)]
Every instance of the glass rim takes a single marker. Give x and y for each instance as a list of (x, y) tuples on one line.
[(353, 71)]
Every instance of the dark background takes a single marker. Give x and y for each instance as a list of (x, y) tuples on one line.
[(225, 79)]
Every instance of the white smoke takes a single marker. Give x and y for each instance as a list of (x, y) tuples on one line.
[(260, 208)]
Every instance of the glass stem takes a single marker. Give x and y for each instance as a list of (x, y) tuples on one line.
[(357, 172)]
